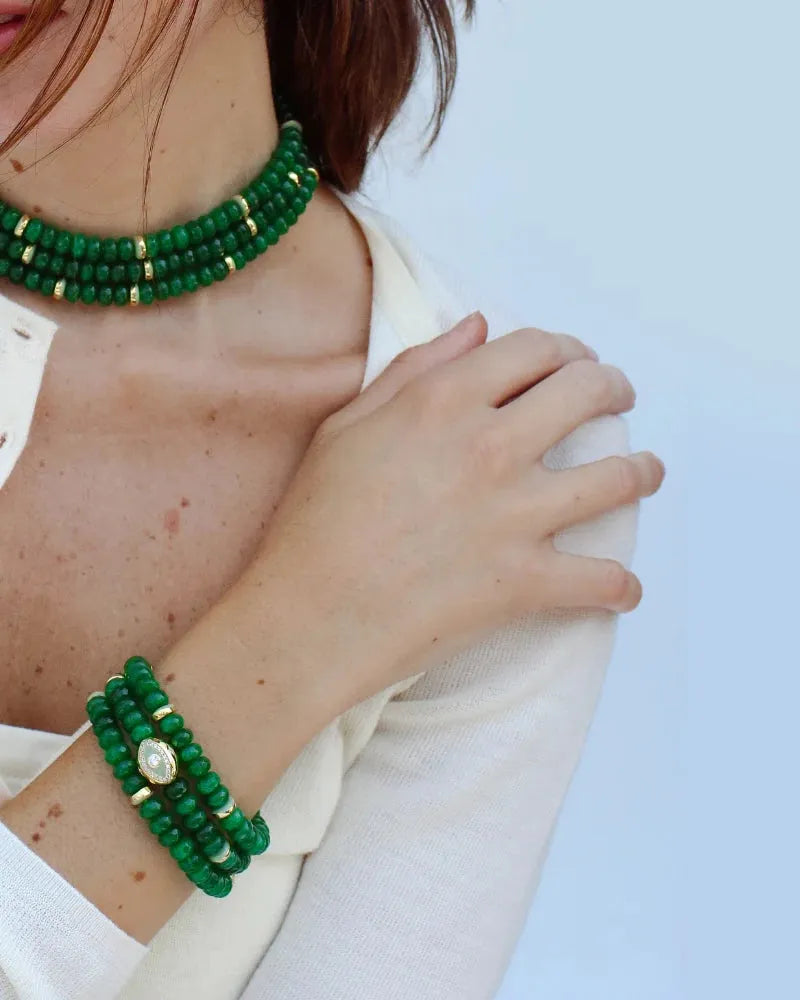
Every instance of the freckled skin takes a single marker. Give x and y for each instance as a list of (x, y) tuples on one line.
[(172, 520), (138, 876), (55, 811), (17, 166)]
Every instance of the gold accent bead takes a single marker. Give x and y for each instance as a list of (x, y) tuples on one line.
[(27, 253), (148, 270), (21, 226), (226, 810), (134, 295), (251, 225), (58, 291), (314, 171), (141, 796), (141, 247), (290, 122), (122, 677), (94, 694), (230, 263), (222, 855), (241, 201), (159, 713), (293, 176)]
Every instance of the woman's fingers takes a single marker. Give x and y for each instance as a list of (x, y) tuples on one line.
[(589, 582), (568, 496)]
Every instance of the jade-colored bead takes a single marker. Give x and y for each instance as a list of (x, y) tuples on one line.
[(270, 178), (259, 243), (183, 849), (206, 223), (125, 768), (109, 251), (271, 235), (77, 245), (190, 281), (297, 206), (94, 247), (203, 254), (233, 210), (220, 270), (113, 684), (16, 273), (118, 274), (182, 738), (116, 753), (88, 293), (263, 190), (195, 820), (279, 201), (234, 821), (180, 237), (86, 273), (186, 805), (150, 808), (281, 225), (220, 217), (239, 260), (189, 259), (144, 685), (218, 798), (288, 189), (202, 872), (160, 267), (134, 272), (105, 295), (63, 243), (10, 219), (121, 702), (242, 234), (102, 272), (42, 261), (195, 232), (154, 700), (244, 837), (142, 732), (33, 230), (214, 846), (110, 738), (16, 248), (190, 753), (56, 265), (229, 242), (170, 837), (250, 195), (33, 280), (205, 277), (132, 718), (125, 248), (175, 286), (249, 252), (121, 295), (103, 722), (192, 863), (133, 784), (47, 286), (174, 263), (171, 723), (5, 239), (160, 824), (206, 834), (199, 767), (217, 248), (165, 245), (177, 789), (161, 290), (96, 703), (145, 295), (5, 264), (48, 238), (136, 667)]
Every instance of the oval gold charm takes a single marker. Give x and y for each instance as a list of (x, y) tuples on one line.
[(157, 761)]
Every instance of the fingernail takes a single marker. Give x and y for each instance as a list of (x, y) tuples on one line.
[(460, 325)]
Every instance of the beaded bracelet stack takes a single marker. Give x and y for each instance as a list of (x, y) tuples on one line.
[(138, 270), (169, 780)]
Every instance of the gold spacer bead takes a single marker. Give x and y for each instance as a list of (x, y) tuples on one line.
[(141, 247), (27, 253), (21, 226), (159, 713), (290, 122), (148, 270), (58, 291), (141, 796), (222, 855), (122, 677), (226, 810), (251, 225), (293, 176), (314, 171), (241, 201), (230, 263), (94, 694), (134, 295)]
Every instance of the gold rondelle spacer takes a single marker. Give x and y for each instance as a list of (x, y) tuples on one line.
[(139, 797), (134, 295), (241, 201), (121, 677), (27, 253), (159, 713), (293, 176), (314, 171), (148, 270), (20, 227), (222, 855), (226, 810), (58, 291), (141, 247), (251, 225), (230, 263)]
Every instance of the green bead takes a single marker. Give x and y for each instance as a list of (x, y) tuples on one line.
[(234, 821), (78, 245), (126, 249), (48, 238), (94, 246), (195, 231), (204, 254), (33, 230), (160, 267), (125, 768), (33, 280), (132, 718), (207, 225), (16, 248), (86, 272), (189, 259), (221, 219), (271, 235), (170, 837), (116, 753), (133, 784), (171, 723), (190, 281), (198, 767), (137, 668), (56, 265), (176, 789), (118, 274), (175, 286), (109, 250), (249, 252), (110, 738), (102, 272), (47, 286), (88, 293), (242, 234), (134, 272), (183, 849), (145, 685), (5, 264), (142, 732), (259, 243), (16, 273), (182, 738), (220, 270), (208, 783), (145, 294), (281, 225), (151, 245), (190, 753), (192, 863), (238, 260), (186, 805), (63, 243), (214, 846), (5, 239), (10, 219), (121, 295), (174, 263), (218, 798), (165, 246), (206, 834), (122, 702), (72, 291), (195, 820), (96, 703), (180, 237), (205, 277), (230, 243), (161, 290), (105, 295), (150, 808), (160, 824)]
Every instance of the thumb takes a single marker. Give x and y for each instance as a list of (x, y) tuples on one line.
[(469, 332)]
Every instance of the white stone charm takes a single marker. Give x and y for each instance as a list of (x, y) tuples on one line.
[(157, 761)]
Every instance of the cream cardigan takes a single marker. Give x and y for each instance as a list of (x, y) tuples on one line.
[(409, 834)]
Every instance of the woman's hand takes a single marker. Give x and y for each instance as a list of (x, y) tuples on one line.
[(423, 513)]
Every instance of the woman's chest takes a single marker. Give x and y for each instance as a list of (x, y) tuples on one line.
[(141, 495)]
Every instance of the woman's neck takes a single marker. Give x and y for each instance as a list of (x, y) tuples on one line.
[(217, 131)]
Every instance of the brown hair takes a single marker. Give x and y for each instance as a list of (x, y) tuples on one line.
[(345, 67)]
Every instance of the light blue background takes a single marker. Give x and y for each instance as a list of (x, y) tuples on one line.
[(627, 171)]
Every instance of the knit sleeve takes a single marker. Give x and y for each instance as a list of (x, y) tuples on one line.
[(54, 943), (421, 885)]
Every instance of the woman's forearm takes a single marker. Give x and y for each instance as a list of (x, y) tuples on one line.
[(236, 677)]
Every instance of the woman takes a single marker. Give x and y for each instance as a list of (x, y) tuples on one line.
[(377, 571)]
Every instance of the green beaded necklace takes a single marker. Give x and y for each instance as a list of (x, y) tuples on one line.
[(137, 270)]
